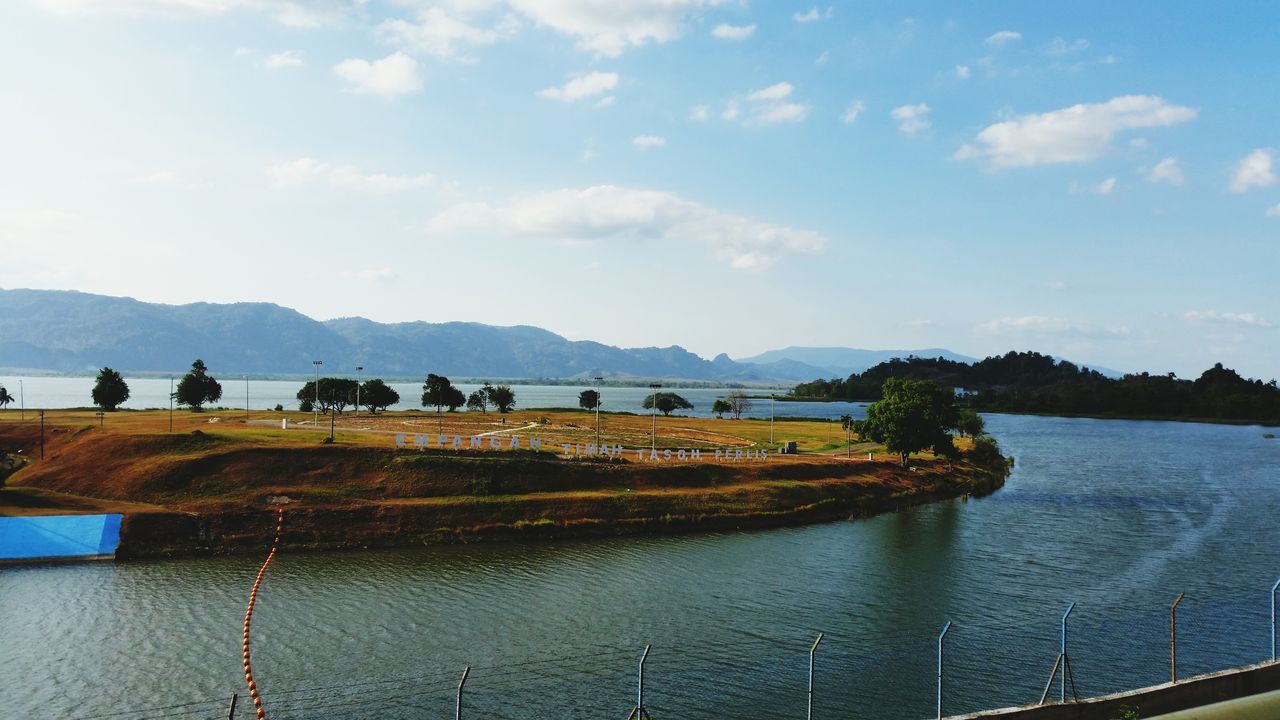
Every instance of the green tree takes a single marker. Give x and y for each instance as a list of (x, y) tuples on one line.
[(335, 393), (377, 395), (738, 403), (720, 407), (667, 402), (441, 393), (588, 399), (911, 416), (503, 398), (5, 397), (970, 423), (197, 387), (109, 390), (479, 399)]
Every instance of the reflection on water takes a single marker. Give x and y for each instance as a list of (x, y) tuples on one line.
[(1116, 516)]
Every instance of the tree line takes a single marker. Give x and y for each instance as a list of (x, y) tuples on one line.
[(1037, 383), (195, 390)]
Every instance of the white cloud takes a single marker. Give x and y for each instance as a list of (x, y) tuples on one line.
[(595, 83), (159, 177), (700, 113), (1103, 188), (312, 13), (813, 15), (1246, 319), (1273, 211), (780, 113), (288, 58), (733, 32), (912, 118), (608, 28), (1058, 46), (773, 92), (441, 35), (731, 111), (823, 58), (1043, 325), (393, 75), (606, 101), (851, 113), (1167, 170), (644, 142), (1071, 135), (308, 170), (1253, 171), (608, 212), (962, 72), (1057, 285), (1002, 37), (242, 52)]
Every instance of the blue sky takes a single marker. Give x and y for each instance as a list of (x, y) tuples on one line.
[(1094, 180)]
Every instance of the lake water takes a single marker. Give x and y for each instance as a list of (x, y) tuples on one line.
[(69, 392), (1117, 516)]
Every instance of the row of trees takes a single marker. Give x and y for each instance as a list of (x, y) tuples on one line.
[(1032, 382), (196, 389)]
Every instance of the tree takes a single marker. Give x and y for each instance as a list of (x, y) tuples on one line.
[(912, 415), (970, 423), (377, 395), (441, 393), (5, 397), (502, 398), (335, 393), (588, 399), (197, 388), (738, 403), (109, 390), (720, 407), (478, 400), (667, 402)]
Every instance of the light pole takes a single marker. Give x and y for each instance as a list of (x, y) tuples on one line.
[(316, 409), (359, 369), (246, 399), (22, 399), (770, 418), (598, 379), (653, 442), (170, 403)]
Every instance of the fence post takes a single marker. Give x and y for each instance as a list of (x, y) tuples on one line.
[(231, 711), (812, 650), (1173, 639), (1063, 650), (457, 714), (942, 635), (1274, 588)]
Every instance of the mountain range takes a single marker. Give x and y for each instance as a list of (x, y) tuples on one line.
[(75, 332)]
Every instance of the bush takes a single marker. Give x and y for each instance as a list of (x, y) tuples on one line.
[(279, 407)]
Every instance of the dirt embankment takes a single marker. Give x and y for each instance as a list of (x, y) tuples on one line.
[(214, 491)]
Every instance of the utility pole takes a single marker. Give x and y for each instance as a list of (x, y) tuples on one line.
[(170, 403), (598, 412), (333, 411), (246, 399), (22, 399), (653, 443), (359, 369), (770, 418), (316, 410)]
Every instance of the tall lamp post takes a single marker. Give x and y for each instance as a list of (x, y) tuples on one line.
[(170, 403), (359, 369), (316, 409), (770, 418), (598, 380), (22, 399), (653, 441), (246, 399)]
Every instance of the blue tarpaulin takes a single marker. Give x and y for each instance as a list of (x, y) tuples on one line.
[(58, 536)]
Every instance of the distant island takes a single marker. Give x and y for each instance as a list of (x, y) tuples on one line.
[(1029, 382)]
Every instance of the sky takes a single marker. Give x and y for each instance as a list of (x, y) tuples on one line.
[(1094, 180)]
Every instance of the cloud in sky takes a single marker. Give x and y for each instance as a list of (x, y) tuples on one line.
[(1254, 170), (767, 106), (725, 31), (608, 212), (912, 119), (644, 142), (285, 59), (299, 13), (439, 34), (1058, 46), (1273, 211), (812, 15), (1245, 319), (393, 75), (306, 170), (852, 111), (1047, 325), (582, 86), (1167, 170), (962, 72), (1102, 188), (609, 28), (1074, 134), (1002, 37)]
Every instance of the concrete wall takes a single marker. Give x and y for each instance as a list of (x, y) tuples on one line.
[(1151, 701), (58, 537)]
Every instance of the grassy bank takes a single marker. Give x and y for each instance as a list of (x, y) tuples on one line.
[(210, 488)]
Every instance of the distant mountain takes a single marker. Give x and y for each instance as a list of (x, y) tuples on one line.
[(79, 332), (830, 362)]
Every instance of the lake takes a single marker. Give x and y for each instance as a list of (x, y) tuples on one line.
[(1117, 516)]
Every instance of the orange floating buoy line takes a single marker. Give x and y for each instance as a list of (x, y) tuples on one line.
[(261, 713)]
